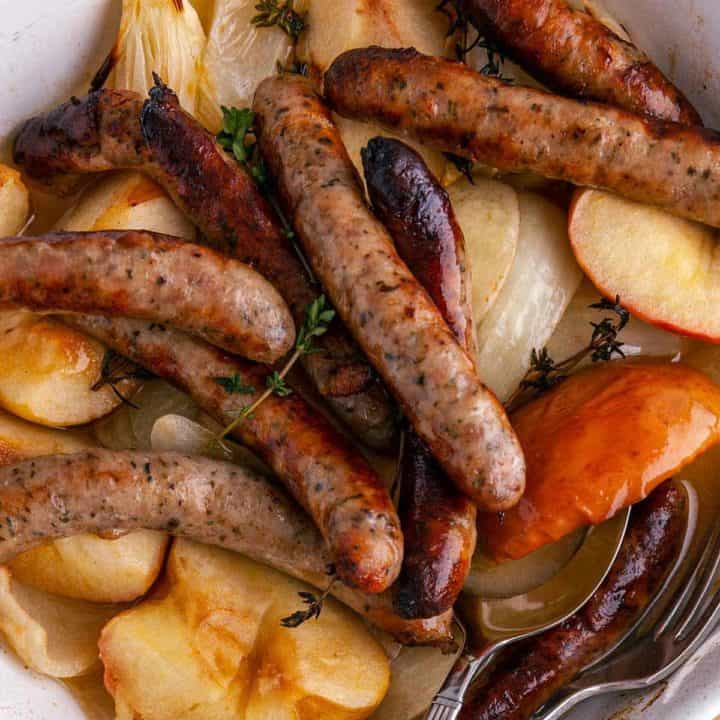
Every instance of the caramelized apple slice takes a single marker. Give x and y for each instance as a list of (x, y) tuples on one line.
[(665, 269), (210, 644), (600, 441)]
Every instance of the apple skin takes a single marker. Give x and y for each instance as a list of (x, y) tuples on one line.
[(639, 310), (600, 441)]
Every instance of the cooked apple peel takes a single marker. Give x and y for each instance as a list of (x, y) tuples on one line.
[(600, 441), (666, 270)]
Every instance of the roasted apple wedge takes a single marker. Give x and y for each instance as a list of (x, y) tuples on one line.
[(210, 644), (598, 442), (666, 270)]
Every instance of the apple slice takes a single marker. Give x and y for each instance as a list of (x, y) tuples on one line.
[(666, 270), (541, 282), (489, 215), (600, 441)]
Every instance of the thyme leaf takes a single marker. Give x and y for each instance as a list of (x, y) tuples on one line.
[(239, 136), (273, 13), (115, 369), (314, 607), (318, 316), (234, 385), (460, 28), (277, 384), (463, 165), (604, 345)]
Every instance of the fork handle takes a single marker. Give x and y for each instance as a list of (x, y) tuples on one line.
[(565, 700), (448, 703), (444, 709)]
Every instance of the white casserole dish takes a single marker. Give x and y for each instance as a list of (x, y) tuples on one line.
[(46, 51)]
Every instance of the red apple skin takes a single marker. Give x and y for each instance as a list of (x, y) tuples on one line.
[(610, 294), (598, 442)]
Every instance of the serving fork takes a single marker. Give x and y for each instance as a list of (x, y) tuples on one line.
[(646, 656), (506, 621), (647, 660)]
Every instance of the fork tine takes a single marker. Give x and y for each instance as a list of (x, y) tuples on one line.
[(707, 606), (682, 609)]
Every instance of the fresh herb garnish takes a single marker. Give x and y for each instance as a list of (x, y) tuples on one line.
[(463, 165), (115, 369), (272, 13), (277, 384), (460, 28), (314, 605), (318, 317), (234, 385), (239, 137), (604, 345)]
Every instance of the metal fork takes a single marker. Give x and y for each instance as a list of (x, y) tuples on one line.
[(448, 703), (645, 658)]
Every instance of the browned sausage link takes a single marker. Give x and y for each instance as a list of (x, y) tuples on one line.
[(151, 277), (383, 305), (330, 479), (209, 501), (118, 129), (438, 522), (531, 674), (573, 53), (448, 106)]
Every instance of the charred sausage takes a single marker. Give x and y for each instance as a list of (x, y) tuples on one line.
[(330, 479), (152, 277), (209, 501), (575, 54), (381, 302), (438, 522), (448, 106), (531, 674), (416, 210), (107, 130)]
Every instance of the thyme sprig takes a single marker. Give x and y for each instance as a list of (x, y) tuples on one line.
[(318, 317), (115, 369), (234, 385), (460, 27), (313, 602), (604, 345), (239, 136), (462, 165), (272, 13)]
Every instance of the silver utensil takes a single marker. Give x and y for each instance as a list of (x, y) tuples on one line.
[(645, 657), (508, 620)]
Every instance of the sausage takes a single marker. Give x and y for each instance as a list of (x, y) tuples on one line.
[(153, 277), (107, 130), (448, 106), (206, 500), (438, 522), (401, 331), (575, 54), (415, 208), (530, 675), (330, 479)]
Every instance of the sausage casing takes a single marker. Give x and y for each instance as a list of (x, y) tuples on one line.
[(212, 502), (330, 479), (531, 674), (151, 277), (381, 302), (448, 106), (108, 130), (575, 54), (438, 521)]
